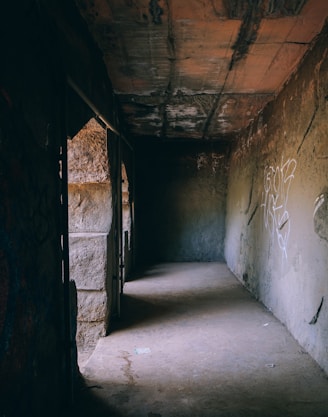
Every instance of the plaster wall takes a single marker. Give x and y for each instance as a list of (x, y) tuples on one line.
[(181, 192), (277, 205)]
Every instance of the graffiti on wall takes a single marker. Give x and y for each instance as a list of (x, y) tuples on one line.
[(320, 215), (212, 160), (277, 182)]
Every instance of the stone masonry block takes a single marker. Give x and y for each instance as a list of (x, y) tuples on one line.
[(92, 306), (89, 208), (88, 260), (87, 155), (88, 333)]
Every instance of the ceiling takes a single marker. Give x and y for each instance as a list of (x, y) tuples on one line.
[(199, 69)]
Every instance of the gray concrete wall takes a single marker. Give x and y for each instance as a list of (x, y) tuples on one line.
[(277, 206), (181, 192)]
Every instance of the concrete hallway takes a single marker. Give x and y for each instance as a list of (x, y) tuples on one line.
[(193, 342)]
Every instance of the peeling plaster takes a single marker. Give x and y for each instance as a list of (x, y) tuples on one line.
[(184, 124), (156, 11), (163, 50), (181, 111)]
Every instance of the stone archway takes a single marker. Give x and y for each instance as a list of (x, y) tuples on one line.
[(90, 218)]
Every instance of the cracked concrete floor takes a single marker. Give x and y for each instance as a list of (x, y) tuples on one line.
[(193, 342)]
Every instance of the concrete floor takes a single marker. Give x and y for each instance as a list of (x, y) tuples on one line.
[(193, 342)]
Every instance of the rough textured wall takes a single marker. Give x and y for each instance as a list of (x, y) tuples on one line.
[(35, 352), (90, 215), (277, 205), (31, 308), (181, 192)]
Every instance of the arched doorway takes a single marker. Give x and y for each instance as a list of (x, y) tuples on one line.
[(90, 219)]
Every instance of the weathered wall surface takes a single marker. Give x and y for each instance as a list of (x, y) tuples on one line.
[(181, 194), (90, 214), (31, 306), (36, 345), (277, 207)]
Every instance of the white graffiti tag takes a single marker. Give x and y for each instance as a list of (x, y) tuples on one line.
[(277, 181)]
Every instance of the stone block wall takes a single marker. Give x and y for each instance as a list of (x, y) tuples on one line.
[(277, 207), (90, 213)]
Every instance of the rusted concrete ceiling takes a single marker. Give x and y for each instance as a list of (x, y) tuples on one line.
[(200, 69)]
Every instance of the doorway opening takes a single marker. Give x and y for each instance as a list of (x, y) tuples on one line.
[(90, 218), (126, 228), (100, 222)]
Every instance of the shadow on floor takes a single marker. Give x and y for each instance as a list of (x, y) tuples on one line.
[(194, 343), (142, 309), (88, 403), (145, 272)]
